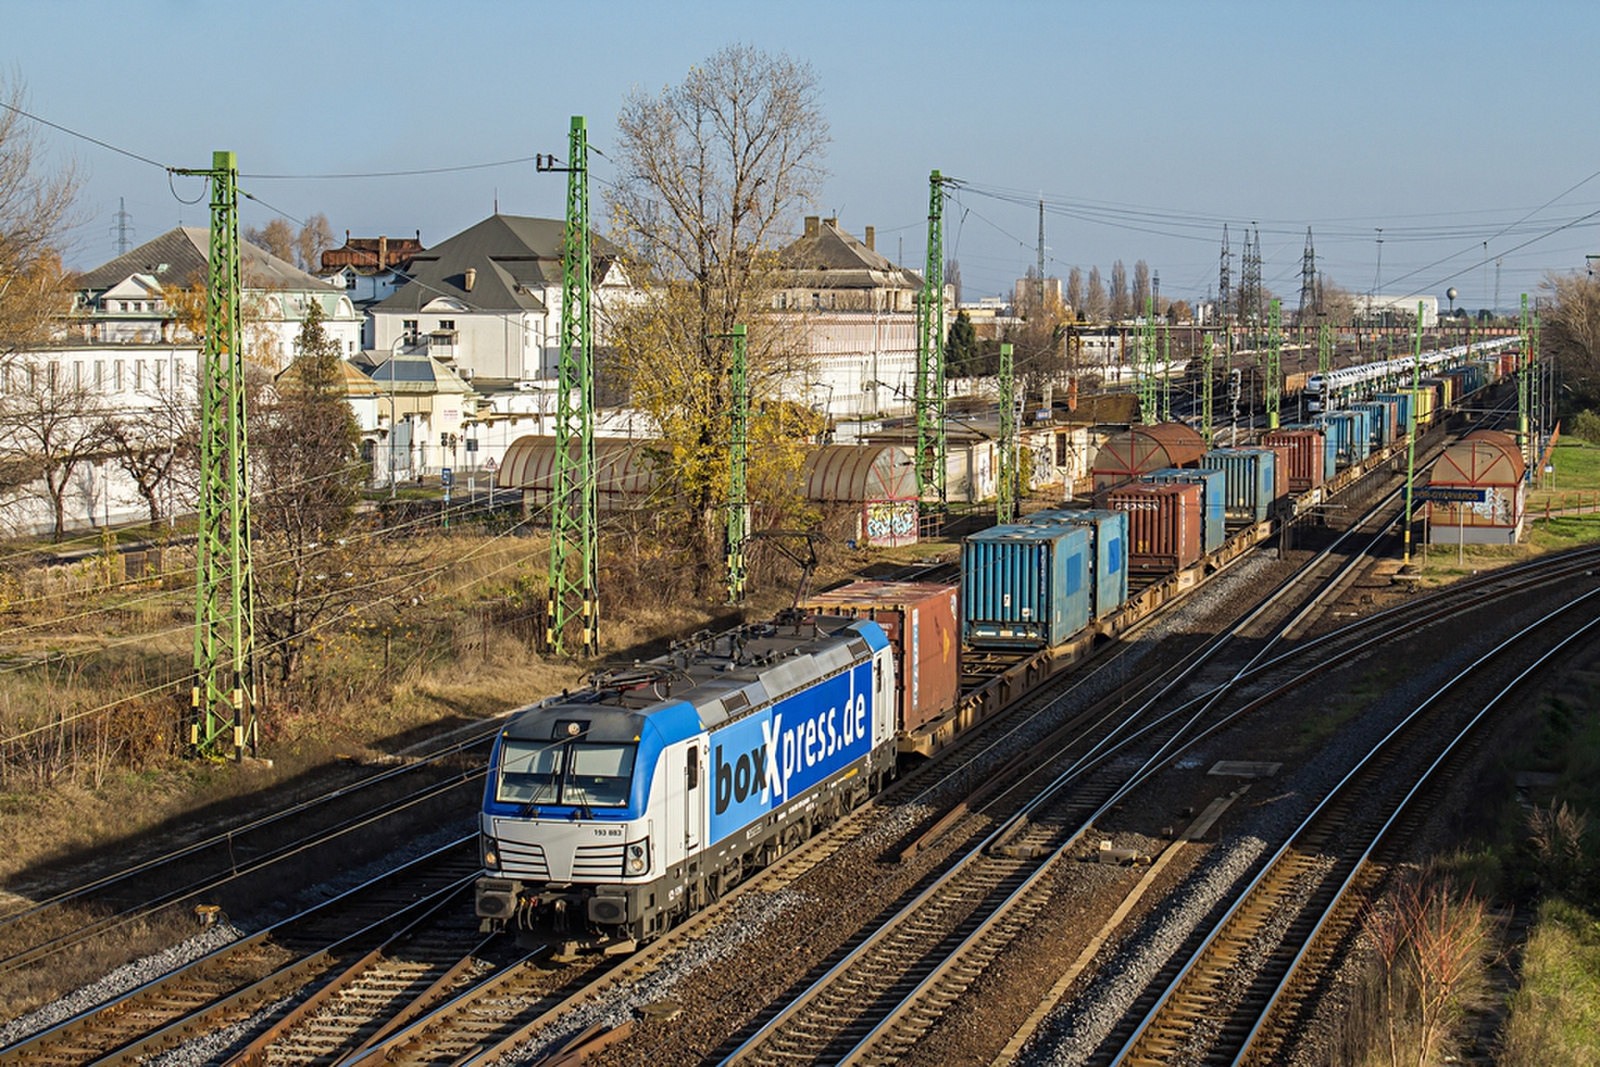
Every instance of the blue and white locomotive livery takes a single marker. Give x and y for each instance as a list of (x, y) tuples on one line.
[(611, 812)]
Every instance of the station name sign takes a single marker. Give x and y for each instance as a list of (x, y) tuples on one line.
[(1449, 494)]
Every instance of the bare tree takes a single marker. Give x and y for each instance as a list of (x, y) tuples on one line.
[(1571, 331), (1141, 286), (314, 238), (1121, 303), (1095, 302), (158, 447), (277, 237), (50, 424), (952, 278), (1075, 289), (35, 211), (712, 171)]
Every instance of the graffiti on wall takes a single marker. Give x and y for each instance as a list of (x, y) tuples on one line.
[(892, 522)]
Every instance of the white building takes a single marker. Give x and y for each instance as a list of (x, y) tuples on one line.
[(152, 294), (487, 302), (1370, 308)]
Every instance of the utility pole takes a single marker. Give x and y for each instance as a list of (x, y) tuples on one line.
[(1273, 386), (1225, 280), (1005, 496), (574, 520), (738, 536), (931, 440), (1411, 440), (223, 694), (1206, 387), (1166, 373), (1040, 297)]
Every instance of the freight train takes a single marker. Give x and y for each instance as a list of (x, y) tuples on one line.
[(1338, 388), (612, 812)]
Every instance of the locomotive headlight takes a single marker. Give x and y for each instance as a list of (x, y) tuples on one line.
[(491, 853), (639, 856)]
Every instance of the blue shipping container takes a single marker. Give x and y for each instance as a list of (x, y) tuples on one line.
[(1108, 543), (1214, 532), (1377, 424), (1403, 402), (1024, 586), (1250, 480)]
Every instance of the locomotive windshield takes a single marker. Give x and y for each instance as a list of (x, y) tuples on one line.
[(591, 774)]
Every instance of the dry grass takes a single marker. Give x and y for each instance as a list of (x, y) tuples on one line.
[(458, 645), (1555, 1016)]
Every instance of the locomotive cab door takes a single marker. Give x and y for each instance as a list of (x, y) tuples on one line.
[(693, 798)]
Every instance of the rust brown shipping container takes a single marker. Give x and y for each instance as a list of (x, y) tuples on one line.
[(920, 616), (1165, 524), (1143, 449), (1307, 457)]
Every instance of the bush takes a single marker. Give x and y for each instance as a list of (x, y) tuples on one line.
[(1586, 427)]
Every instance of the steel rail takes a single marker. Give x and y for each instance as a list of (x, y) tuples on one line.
[(1129, 1050)]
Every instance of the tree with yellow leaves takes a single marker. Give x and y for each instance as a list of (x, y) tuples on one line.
[(714, 172)]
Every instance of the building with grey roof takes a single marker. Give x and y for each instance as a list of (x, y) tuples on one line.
[(133, 299), (487, 302)]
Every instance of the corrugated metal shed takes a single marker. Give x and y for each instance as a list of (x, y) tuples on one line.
[(625, 474), (1143, 449), (857, 474), (1483, 457)]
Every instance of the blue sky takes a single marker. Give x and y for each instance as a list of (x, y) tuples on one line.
[(1143, 124)]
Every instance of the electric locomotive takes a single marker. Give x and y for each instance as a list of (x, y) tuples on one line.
[(612, 812)]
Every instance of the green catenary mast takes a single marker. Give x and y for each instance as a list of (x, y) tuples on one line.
[(222, 697), (1523, 362), (1411, 438), (1273, 385), (931, 443), (574, 550), (1005, 496), (738, 535), (1207, 385), (1148, 398), (1166, 373)]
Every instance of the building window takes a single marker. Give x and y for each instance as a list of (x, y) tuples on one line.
[(99, 374), (447, 324), (138, 374), (161, 375), (116, 375), (409, 328), (77, 374), (349, 281)]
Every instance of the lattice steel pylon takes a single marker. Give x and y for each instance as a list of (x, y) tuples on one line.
[(1308, 280), (223, 692), (931, 438), (1005, 496), (574, 521)]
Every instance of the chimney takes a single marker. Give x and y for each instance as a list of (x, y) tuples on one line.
[(471, 278), (383, 252), (834, 222), (811, 225), (871, 235)]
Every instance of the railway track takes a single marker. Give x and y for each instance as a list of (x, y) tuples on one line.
[(876, 1001), (1219, 1005), (192, 871), (227, 985)]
